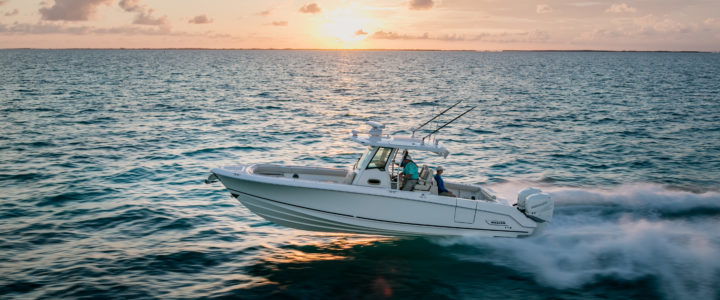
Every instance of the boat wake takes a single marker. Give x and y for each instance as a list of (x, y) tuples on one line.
[(633, 232)]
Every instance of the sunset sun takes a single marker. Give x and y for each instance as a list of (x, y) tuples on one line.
[(344, 28)]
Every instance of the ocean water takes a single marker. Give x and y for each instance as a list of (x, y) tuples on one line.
[(103, 156)]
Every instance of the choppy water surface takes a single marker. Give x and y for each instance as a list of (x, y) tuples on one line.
[(103, 153)]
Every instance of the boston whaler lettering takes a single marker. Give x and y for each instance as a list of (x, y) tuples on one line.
[(368, 198)]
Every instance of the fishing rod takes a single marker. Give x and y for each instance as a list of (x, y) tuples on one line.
[(448, 123), (435, 117)]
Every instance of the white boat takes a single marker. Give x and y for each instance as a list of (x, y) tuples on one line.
[(368, 199)]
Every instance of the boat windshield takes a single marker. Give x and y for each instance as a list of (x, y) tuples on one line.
[(380, 159), (362, 158)]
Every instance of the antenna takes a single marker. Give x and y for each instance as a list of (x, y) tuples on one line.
[(435, 117), (448, 123)]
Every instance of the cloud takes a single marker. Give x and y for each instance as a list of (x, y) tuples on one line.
[(147, 18), (650, 25), (201, 19), (601, 34), (450, 38), (421, 4), (2, 2), (144, 15), (543, 9), (12, 13), (513, 37), (584, 4), (360, 32), (71, 10), (311, 8), (132, 5), (53, 28), (279, 23), (264, 13), (45, 28), (645, 26), (389, 35), (618, 8), (502, 37)]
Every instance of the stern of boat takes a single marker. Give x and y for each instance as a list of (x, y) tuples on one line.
[(536, 205)]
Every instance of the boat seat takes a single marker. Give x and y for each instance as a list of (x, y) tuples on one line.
[(425, 179)]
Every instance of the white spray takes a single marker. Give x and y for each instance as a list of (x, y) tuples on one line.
[(627, 233)]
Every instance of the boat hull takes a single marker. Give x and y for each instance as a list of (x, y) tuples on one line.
[(336, 207)]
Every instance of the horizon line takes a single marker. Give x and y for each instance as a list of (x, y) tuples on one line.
[(362, 49)]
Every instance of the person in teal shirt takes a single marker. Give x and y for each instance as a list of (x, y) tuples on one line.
[(410, 172)]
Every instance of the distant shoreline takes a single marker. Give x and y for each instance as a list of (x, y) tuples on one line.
[(631, 51), (398, 50)]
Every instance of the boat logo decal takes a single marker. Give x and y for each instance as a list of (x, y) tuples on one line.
[(496, 222)]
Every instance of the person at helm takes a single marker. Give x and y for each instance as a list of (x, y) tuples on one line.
[(410, 173)]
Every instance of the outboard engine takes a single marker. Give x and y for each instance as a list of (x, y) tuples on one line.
[(536, 204)]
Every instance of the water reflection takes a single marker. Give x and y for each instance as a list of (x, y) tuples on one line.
[(321, 247), (351, 266), (295, 256)]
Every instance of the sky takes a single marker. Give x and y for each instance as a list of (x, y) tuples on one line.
[(483, 25)]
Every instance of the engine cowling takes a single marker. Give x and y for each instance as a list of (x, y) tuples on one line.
[(522, 196), (536, 205)]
